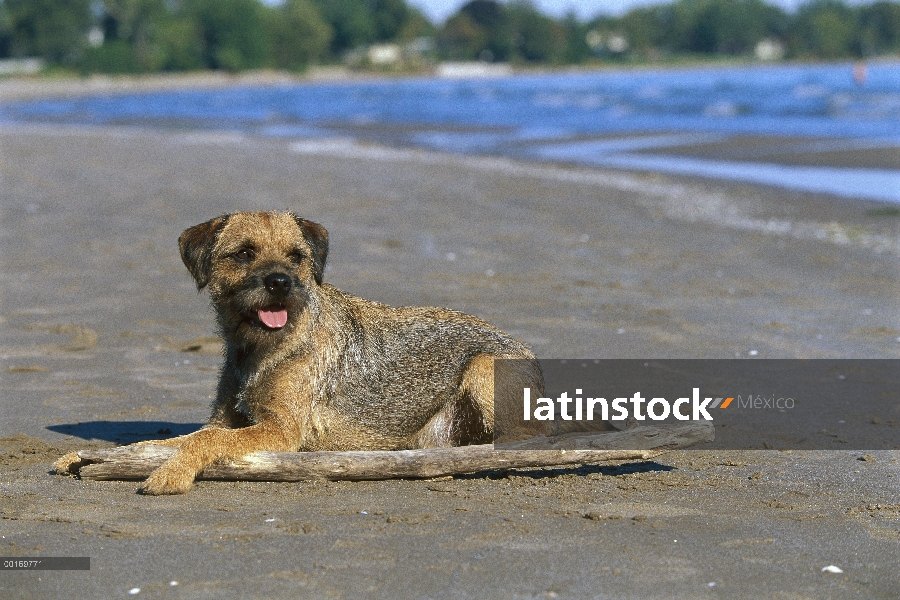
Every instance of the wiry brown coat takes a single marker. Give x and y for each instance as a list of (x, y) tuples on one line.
[(342, 373)]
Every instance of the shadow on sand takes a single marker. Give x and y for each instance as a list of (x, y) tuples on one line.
[(125, 432)]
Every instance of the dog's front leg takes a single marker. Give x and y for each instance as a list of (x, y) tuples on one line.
[(172, 442), (222, 418), (203, 447), (224, 415)]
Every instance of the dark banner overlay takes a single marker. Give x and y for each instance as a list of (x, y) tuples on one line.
[(45, 563), (823, 404)]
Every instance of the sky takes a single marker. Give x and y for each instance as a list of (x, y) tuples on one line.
[(439, 10)]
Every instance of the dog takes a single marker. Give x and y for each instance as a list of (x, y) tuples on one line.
[(308, 367)]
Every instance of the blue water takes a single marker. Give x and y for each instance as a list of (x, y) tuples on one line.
[(564, 117)]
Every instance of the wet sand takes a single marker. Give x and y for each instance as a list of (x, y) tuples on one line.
[(815, 152), (104, 340)]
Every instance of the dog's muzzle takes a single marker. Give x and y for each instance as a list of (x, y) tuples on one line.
[(278, 284)]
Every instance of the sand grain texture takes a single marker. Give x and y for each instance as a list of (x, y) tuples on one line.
[(104, 340)]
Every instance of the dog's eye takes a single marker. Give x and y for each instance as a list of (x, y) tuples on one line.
[(243, 255), (295, 257)]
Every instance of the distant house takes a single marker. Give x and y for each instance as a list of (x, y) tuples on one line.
[(769, 49), (384, 55), (602, 42), (466, 70)]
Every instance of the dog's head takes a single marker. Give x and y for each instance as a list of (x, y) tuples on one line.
[(260, 268)]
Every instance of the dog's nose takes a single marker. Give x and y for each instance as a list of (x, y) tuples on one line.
[(278, 283)]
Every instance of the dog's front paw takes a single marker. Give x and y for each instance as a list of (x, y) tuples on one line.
[(68, 464), (167, 481)]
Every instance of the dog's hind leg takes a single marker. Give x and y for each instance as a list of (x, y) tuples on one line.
[(477, 391), (468, 417)]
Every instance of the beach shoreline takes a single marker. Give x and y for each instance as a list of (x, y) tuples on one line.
[(45, 86), (104, 340), (24, 89), (821, 146)]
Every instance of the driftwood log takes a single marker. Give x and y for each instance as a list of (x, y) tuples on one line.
[(138, 461)]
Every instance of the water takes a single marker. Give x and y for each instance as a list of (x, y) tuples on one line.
[(636, 120)]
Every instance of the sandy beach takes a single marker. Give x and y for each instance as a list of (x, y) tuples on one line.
[(104, 340)]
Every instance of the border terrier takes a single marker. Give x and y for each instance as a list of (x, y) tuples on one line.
[(308, 367)]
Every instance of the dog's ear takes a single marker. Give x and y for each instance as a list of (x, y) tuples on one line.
[(196, 244), (317, 238)]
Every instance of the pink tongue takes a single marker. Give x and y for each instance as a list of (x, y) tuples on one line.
[(273, 319)]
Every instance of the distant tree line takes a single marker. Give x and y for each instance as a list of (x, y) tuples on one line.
[(178, 35), (134, 36), (821, 29)]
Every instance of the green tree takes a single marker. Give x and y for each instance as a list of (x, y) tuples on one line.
[(734, 26), (493, 18), (461, 38), (350, 21), (480, 30), (415, 26), (534, 36), (731, 27), (55, 30), (232, 33), (649, 30), (577, 49), (130, 36), (6, 25), (389, 17), (300, 35), (358, 23), (880, 28), (182, 48), (825, 29)]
